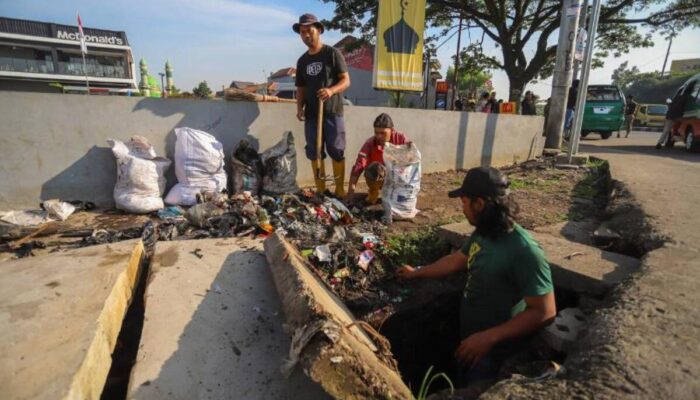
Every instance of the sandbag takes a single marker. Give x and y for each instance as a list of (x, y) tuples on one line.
[(402, 181), (246, 169), (199, 166), (280, 164), (140, 175)]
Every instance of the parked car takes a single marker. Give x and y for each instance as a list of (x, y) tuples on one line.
[(604, 111), (687, 129), (651, 115)]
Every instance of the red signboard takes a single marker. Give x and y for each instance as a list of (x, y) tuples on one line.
[(360, 58), (507, 108), (442, 87)]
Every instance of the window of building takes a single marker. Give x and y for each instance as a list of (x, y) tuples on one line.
[(25, 59), (98, 64)]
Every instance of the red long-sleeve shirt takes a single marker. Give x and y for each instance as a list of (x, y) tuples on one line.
[(373, 152)]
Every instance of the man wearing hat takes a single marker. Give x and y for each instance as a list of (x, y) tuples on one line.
[(509, 293), (322, 75)]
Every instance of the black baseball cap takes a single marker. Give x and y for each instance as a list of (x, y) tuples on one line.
[(482, 182), (308, 19)]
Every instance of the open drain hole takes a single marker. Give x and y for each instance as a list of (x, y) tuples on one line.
[(428, 335)]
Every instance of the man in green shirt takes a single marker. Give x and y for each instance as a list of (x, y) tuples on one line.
[(509, 293)]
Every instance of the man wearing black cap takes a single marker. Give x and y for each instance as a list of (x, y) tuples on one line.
[(509, 293), (322, 75)]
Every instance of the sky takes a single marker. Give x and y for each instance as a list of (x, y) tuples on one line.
[(224, 40)]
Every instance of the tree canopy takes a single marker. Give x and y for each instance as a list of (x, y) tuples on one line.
[(202, 90)]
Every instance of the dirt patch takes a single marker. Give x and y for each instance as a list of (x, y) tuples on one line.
[(545, 195)]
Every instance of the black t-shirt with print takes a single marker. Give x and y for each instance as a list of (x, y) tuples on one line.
[(319, 71)]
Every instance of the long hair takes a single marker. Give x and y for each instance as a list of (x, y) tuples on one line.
[(497, 217)]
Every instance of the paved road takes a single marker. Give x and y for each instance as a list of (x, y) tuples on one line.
[(665, 181), (645, 345)]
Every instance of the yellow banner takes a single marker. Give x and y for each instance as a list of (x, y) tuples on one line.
[(398, 55)]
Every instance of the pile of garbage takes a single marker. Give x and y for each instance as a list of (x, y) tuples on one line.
[(343, 246)]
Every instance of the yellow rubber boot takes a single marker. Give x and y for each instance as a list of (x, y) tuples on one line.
[(339, 174), (374, 188), (320, 183)]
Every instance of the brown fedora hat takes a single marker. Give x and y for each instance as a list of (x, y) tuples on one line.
[(308, 19)]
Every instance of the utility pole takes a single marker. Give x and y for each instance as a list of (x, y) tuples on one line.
[(668, 51), (583, 84), (454, 77), (581, 25), (563, 70)]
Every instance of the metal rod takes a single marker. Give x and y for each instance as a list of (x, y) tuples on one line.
[(87, 81), (668, 51), (454, 76), (583, 83)]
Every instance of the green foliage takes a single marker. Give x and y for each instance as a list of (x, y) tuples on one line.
[(417, 248), (652, 88), (622, 76), (469, 82), (202, 90), (428, 381)]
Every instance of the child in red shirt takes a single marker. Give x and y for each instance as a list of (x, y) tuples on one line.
[(370, 159)]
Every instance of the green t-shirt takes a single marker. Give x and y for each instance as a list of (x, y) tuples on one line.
[(500, 274)]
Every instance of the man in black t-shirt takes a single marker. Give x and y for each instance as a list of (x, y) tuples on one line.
[(322, 75)]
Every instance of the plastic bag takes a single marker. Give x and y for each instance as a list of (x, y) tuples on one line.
[(140, 176), (280, 162), (199, 166), (246, 169), (58, 209), (402, 181)]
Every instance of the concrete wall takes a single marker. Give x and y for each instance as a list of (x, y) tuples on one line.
[(54, 145)]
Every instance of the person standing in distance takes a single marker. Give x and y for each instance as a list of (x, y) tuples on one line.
[(322, 75)]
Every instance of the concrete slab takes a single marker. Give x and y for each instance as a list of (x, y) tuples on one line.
[(575, 266), (341, 357), (213, 327), (60, 316), (575, 231)]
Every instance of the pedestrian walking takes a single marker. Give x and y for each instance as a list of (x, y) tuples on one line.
[(630, 109), (674, 113)]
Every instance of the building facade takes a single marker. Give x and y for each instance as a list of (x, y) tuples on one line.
[(36, 56), (687, 65)]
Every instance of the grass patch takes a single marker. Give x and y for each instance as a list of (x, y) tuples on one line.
[(416, 248), (532, 184)]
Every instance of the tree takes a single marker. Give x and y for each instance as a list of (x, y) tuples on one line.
[(202, 90), (651, 87), (473, 69), (469, 82), (621, 76), (514, 25)]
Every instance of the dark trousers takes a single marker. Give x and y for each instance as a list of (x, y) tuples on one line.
[(333, 137)]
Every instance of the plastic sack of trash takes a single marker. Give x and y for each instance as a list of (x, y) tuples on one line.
[(199, 166), (280, 164), (246, 169), (140, 175), (402, 181)]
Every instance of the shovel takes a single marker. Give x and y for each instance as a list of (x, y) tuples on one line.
[(321, 169)]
